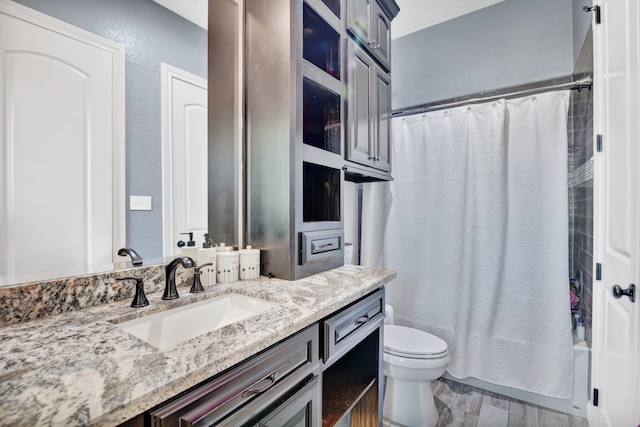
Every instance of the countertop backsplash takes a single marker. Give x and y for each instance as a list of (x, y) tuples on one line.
[(38, 300)]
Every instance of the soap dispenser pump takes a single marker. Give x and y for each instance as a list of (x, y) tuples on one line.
[(190, 249), (207, 255)]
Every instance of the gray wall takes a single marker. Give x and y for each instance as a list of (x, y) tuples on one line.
[(510, 43), (581, 25), (150, 35)]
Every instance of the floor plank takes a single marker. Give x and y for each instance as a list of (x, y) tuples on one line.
[(461, 405)]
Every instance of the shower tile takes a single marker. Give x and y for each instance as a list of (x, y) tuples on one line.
[(490, 416), (547, 417)]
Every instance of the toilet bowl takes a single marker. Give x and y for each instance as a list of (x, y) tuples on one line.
[(412, 359)]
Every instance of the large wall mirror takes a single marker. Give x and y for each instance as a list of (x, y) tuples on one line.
[(153, 35)]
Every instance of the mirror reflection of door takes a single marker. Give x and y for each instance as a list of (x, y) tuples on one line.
[(62, 112), (184, 157)]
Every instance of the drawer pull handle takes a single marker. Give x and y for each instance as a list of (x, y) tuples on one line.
[(362, 320), (263, 385)]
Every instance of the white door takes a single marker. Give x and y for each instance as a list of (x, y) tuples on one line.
[(61, 116), (184, 135), (616, 335)]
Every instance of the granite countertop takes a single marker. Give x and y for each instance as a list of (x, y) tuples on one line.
[(79, 368)]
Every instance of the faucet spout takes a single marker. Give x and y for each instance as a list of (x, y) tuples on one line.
[(135, 258), (170, 291)]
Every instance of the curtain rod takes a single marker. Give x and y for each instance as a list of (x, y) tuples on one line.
[(582, 83)]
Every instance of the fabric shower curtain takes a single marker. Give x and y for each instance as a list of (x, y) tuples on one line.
[(477, 231)]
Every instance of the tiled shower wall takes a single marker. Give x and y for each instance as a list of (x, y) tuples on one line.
[(580, 128)]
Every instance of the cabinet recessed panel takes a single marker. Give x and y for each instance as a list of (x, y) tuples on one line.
[(320, 117), (321, 193), (321, 43)]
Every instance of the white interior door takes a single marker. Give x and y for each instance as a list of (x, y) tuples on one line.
[(62, 121), (185, 189), (616, 336)]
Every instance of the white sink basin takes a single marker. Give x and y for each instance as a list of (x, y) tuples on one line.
[(169, 328)]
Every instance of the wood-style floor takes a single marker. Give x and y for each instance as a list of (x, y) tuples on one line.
[(465, 406)]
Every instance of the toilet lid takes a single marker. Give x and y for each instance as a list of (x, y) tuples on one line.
[(412, 343)]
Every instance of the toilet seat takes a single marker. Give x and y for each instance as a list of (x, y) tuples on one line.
[(412, 343)]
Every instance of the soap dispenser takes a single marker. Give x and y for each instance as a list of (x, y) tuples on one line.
[(190, 249), (207, 255)]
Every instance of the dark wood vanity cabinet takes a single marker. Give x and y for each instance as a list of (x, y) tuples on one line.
[(279, 384), (327, 374), (352, 364)]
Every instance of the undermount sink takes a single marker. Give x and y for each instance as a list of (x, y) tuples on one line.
[(169, 328)]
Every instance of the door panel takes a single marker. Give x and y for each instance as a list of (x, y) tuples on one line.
[(383, 116), (382, 25), (359, 96), (60, 106), (359, 18), (185, 184), (615, 371)]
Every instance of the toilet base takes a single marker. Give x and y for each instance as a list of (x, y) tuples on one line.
[(410, 403)]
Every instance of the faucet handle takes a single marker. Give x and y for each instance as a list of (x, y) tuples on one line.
[(197, 284), (140, 299)]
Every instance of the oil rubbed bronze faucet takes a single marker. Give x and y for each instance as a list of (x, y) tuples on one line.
[(140, 299), (135, 258), (170, 291)]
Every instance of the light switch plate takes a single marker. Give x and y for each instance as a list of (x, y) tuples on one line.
[(140, 203)]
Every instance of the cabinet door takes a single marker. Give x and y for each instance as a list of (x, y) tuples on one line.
[(359, 96), (381, 42), (359, 19), (381, 115), (301, 410)]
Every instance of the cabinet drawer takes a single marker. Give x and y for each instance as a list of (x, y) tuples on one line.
[(347, 328), (286, 364)]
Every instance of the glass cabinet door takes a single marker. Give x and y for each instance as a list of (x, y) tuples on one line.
[(359, 19)]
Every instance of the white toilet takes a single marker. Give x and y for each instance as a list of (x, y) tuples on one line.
[(412, 358)]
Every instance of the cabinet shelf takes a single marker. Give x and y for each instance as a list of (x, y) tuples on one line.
[(321, 118), (321, 193), (346, 381), (320, 42), (346, 393)]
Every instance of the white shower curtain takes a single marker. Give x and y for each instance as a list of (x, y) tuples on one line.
[(477, 231)]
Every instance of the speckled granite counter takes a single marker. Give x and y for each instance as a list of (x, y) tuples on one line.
[(79, 368)]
